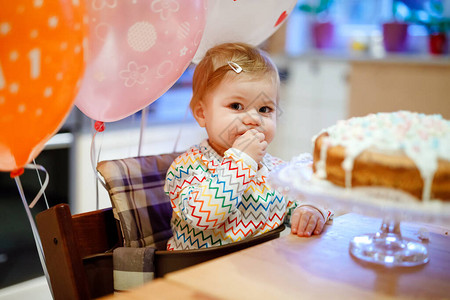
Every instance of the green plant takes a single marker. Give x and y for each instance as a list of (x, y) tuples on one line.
[(428, 14), (320, 7)]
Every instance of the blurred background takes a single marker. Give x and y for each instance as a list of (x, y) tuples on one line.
[(337, 59)]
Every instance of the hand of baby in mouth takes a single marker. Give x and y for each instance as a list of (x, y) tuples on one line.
[(253, 143)]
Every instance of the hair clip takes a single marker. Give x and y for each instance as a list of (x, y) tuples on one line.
[(235, 67)]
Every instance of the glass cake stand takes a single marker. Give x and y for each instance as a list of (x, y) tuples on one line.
[(387, 246)]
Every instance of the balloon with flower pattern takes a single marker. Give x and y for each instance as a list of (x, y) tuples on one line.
[(41, 62), (136, 52)]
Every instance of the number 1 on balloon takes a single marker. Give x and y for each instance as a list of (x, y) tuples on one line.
[(35, 67)]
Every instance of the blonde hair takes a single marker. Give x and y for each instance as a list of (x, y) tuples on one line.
[(214, 67)]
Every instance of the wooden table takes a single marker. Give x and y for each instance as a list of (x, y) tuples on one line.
[(161, 289), (321, 266)]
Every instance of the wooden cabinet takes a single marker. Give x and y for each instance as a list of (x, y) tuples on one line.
[(383, 86)]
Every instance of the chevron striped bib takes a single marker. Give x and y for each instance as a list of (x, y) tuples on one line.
[(219, 200)]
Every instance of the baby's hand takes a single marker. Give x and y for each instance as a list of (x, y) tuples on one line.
[(306, 221), (253, 143)]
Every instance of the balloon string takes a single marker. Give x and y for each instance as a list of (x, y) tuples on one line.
[(40, 182), (179, 131), (37, 239), (143, 123), (94, 169), (99, 127), (97, 205), (43, 186)]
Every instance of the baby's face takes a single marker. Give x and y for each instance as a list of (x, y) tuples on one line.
[(238, 105)]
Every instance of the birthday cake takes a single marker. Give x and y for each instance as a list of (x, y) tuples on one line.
[(401, 150)]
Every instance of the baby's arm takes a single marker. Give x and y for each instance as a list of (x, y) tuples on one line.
[(306, 221), (205, 198)]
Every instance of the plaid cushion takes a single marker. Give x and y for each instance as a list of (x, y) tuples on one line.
[(132, 267), (136, 188)]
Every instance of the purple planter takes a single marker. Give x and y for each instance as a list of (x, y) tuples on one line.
[(322, 33), (395, 35)]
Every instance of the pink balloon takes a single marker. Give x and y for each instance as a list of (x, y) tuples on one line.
[(137, 49)]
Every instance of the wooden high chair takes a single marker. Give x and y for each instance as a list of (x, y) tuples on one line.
[(78, 251), (79, 248)]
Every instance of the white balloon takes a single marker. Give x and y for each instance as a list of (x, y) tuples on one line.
[(247, 21)]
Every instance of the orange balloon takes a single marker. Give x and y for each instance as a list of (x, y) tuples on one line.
[(41, 63)]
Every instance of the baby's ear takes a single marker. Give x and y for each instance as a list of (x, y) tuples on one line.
[(199, 113)]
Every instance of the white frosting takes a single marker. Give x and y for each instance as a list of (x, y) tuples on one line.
[(423, 138)]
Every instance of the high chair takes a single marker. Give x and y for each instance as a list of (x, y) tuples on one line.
[(93, 254)]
